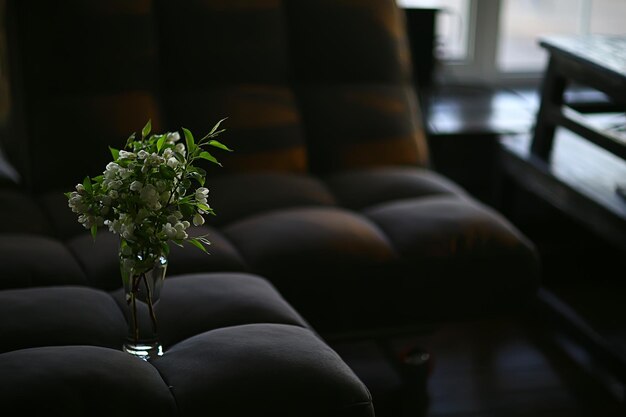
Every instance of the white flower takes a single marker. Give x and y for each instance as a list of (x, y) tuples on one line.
[(198, 220), (172, 137), (113, 194), (168, 153), (75, 202), (125, 173), (142, 154), (174, 217), (172, 163), (80, 188), (136, 186), (111, 170), (180, 148), (154, 159), (115, 185), (201, 195), (176, 232), (127, 155)]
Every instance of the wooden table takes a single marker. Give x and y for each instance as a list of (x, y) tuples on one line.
[(576, 164), (588, 194)]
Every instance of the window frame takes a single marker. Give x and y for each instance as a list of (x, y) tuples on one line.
[(480, 65)]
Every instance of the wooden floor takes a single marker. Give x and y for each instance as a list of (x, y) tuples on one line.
[(504, 368)]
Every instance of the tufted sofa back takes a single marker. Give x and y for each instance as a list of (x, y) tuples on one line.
[(303, 90)]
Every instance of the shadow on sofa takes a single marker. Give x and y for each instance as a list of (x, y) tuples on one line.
[(328, 195)]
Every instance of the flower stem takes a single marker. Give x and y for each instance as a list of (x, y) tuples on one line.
[(150, 306), (135, 323)]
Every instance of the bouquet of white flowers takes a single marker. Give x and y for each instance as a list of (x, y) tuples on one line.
[(149, 195)]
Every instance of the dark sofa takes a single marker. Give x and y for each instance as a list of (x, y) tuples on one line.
[(328, 194)]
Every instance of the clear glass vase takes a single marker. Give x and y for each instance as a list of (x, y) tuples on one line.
[(143, 278)]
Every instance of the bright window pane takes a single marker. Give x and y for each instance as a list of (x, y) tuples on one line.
[(608, 17), (452, 26), (523, 21)]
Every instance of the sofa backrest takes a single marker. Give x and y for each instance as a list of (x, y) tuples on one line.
[(308, 85)]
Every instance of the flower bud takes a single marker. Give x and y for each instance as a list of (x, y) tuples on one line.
[(198, 220)]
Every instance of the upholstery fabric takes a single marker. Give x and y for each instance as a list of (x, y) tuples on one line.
[(234, 347)]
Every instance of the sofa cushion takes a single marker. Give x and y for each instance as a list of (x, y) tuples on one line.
[(57, 316), (240, 370), (32, 260), (238, 196), (196, 303), (360, 189), (458, 257), (234, 347), (76, 381)]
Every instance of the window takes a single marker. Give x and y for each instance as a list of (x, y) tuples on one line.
[(497, 40)]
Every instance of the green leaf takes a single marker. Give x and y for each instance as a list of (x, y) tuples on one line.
[(160, 143), (87, 184), (198, 170), (203, 207), (219, 145), (198, 177), (114, 152), (94, 231), (165, 248), (209, 157), (146, 129), (197, 244), (167, 172), (217, 125), (191, 144), (129, 141)]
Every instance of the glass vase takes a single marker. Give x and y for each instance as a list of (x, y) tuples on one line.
[(143, 278)]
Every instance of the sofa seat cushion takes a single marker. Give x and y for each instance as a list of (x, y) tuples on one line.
[(262, 370), (33, 260), (76, 381), (237, 196), (191, 304), (309, 239), (458, 256), (360, 189), (232, 346), (57, 316)]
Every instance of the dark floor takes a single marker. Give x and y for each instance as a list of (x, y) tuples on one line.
[(503, 368)]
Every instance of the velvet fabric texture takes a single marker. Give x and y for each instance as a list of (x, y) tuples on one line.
[(234, 347)]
